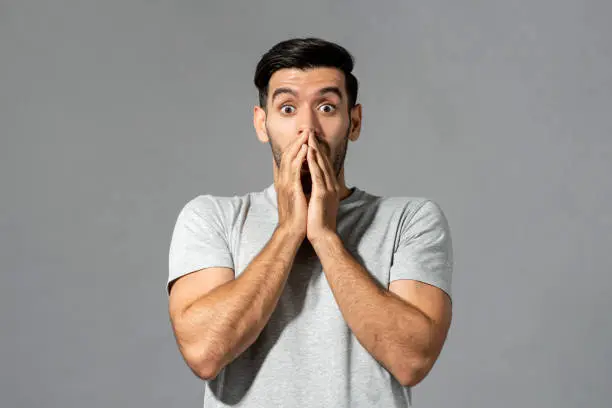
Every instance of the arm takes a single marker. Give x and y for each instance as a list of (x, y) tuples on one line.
[(395, 330), (213, 327), (403, 328), (219, 325)]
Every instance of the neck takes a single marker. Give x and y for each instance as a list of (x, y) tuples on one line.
[(344, 191)]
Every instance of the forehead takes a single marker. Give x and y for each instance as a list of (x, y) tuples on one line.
[(306, 80)]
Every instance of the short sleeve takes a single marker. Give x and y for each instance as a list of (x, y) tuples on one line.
[(424, 251), (198, 239)]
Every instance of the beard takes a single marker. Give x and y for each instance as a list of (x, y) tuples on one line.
[(337, 159)]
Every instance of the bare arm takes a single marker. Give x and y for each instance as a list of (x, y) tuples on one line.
[(391, 326), (215, 326), (403, 328), (220, 324)]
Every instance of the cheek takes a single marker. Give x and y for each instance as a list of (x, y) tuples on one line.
[(335, 127), (334, 134), (282, 131)]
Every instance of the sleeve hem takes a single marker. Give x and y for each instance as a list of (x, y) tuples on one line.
[(194, 268), (442, 285)]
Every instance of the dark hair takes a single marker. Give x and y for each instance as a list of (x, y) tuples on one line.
[(304, 53)]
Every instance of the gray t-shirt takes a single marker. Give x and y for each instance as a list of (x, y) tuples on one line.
[(307, 356)]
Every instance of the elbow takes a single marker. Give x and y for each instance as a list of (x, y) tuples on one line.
[(202, 354), (203, 365), (410, 379), (206, 369), (412, 372)]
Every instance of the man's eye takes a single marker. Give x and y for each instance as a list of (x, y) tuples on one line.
[(287, 109), (327, 108)]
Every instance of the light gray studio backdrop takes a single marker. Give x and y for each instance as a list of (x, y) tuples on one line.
[(113, 114)]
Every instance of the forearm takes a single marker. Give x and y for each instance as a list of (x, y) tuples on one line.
[(395, 333), (224, 322)]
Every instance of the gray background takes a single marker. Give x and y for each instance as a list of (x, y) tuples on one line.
[(113, 114)]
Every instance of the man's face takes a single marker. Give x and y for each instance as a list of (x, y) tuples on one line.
[(316, 99)]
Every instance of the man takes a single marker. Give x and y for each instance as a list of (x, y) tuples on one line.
[(308, 293)]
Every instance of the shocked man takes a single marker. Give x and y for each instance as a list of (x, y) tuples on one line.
[(309, 293)]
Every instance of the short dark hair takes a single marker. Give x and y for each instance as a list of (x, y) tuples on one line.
[(305, 53)]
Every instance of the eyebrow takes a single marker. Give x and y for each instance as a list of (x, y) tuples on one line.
[(331, 89), (280, 91), (322, 91)]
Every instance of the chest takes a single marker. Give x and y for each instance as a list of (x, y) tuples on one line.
[(370, 240)]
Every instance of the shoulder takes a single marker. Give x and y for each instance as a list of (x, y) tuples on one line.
[(218, 205), (407, 206), (413, 215)]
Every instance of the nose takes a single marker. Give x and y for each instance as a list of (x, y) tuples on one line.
[(303, 129), (318, 136), (316, 131), (307, 120)]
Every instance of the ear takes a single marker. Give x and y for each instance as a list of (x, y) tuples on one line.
[(355, 122), (259, 122)]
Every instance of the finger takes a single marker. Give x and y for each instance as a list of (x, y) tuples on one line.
[(296, 167), (324, 165), (318, 181), (331, 172), (291, 154), (327, 172), (304, 144), (293, 149)]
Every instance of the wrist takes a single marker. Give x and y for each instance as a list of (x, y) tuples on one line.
[(326, 239), (289, 236)]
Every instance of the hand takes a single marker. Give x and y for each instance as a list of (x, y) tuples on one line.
[(325, 196), (292, 204)]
